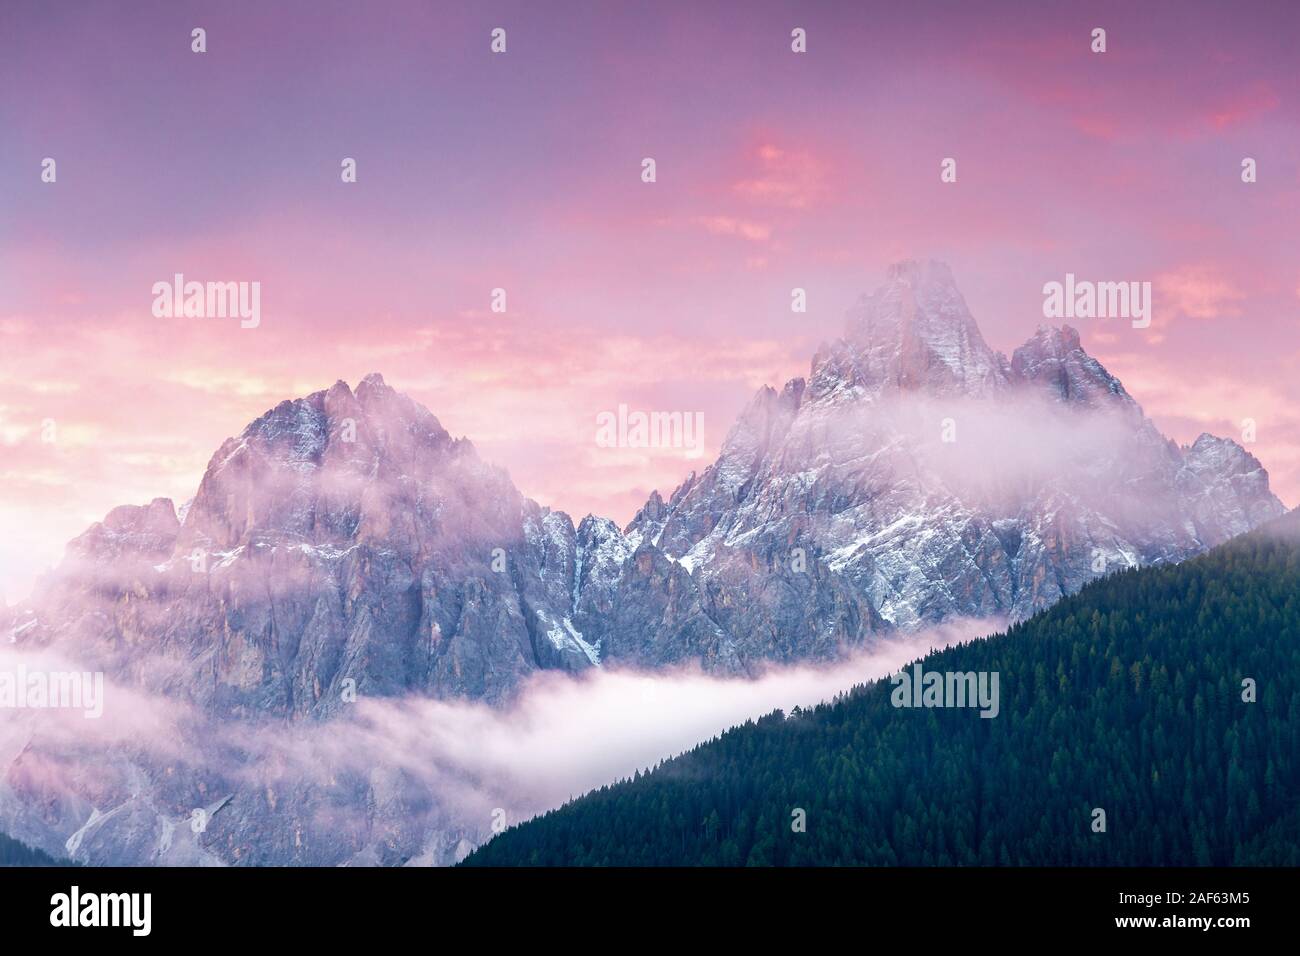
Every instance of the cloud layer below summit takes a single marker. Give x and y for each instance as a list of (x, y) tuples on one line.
[(563, 737)]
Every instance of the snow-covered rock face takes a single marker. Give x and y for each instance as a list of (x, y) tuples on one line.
[(345, 543), (922, 476)]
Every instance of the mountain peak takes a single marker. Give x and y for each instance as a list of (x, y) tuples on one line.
[(1210, 452), (918, 273), (914, 333), (1055, 359), (1063, 339), (337, 393), (302, 467), (373, 387)]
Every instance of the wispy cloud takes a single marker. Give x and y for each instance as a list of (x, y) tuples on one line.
[(466, 762)]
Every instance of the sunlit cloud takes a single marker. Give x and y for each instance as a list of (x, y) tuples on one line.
[(1199, 292), (791, 178)]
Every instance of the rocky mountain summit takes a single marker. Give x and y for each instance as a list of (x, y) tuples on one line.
[(920, 475), (916, 475), (341, 537), (344, 545)]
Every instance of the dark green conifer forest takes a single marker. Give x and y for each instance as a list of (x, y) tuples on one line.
[(13, 853), (1127, 697)]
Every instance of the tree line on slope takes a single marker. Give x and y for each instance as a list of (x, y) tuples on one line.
[(13, 853), (1127, 698)]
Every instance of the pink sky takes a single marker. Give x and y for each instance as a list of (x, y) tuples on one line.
[(522, 171)]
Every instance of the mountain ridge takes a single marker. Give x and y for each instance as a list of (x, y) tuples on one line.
[(347, 535), (344, 545), (913, 348)]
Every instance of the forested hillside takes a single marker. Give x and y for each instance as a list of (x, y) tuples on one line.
[(13, 853), (1127, 697)]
